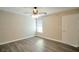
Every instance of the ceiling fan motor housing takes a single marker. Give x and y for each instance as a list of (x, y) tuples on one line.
[(35, 11)]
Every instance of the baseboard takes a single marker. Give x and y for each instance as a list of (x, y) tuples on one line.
[(17, 39), (55, 40)]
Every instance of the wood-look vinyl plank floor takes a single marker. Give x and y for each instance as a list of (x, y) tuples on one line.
[(37, 44)]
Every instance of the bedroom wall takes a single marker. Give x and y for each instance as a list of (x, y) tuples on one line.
[(14, 26), (52, 24), (50, 27)]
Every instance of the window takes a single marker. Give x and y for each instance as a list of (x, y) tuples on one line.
[(39, 25)]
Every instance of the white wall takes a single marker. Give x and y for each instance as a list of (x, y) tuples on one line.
[(14, 26)]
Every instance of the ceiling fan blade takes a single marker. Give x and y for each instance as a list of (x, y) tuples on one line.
[(43, 13), (27, 12)]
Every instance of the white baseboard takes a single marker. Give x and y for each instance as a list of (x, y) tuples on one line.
[(17, 39), (55, 40)]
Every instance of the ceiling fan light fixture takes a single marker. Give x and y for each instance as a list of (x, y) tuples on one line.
[(35, 16)]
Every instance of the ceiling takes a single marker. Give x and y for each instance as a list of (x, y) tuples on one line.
[(27, 10)]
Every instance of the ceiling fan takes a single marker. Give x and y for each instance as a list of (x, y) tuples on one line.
[(35, 13)]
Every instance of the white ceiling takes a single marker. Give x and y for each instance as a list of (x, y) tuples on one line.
[(26, 10)]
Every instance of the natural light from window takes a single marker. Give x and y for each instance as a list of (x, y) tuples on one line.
[(39, 25)]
